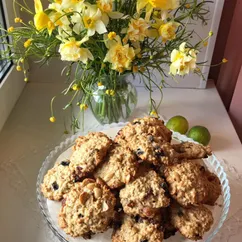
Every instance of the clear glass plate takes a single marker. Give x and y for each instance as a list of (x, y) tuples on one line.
[(50, 208)]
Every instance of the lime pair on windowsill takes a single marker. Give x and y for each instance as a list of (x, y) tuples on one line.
[(197, 133)]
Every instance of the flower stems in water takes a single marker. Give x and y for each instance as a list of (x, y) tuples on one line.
[(114, 108)]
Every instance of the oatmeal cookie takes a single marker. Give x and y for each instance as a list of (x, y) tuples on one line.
[(119, 167), (191, 150), (144, 196), (145, 136), (89, 151), (192, 222), (57, 181), (186, 183), (87, 209), (137, 231)]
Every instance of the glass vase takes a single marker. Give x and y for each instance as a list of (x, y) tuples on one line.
[(113, 99)]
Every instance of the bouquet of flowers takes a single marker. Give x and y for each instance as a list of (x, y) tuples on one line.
[(103, 42)]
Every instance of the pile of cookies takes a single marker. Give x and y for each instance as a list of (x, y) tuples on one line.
[(140, 184)]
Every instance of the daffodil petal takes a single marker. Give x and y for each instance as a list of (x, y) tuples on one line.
[(84, 39), (141, 4), (149, 10), (115, 15), (152, 33), (90, 32), (41, 20), (100, 27), (38, 6), (105, 19)]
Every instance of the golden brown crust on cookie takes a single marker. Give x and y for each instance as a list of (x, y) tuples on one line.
[(57, 181), (145, 137), (87, 209), (186, 183), (132, 231), (192, 222), (144, 196), (119, 167), (89, 151)]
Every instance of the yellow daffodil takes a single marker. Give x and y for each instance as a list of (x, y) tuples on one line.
[(99, 84), (70, 50), (72, 5), (52, 119), (27, 43), (76, 20), (156, 4), (137, 29), (183, 60), (167, 31), (92, 19), (112, 35), (10, 29), (41, 19), (50, 27), (106, 7), (120, 56), (83, 106)]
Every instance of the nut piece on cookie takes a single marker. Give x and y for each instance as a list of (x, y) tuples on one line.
[(119, 168), (89, 151), (191, 150), (192, 222), (186, 183), (87, 209), (57, 181), (144, 196), (214, 188), (137, 231)]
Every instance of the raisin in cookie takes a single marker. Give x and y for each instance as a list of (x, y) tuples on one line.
[(133, 231), (144, 196), (119, 168), (87, 209), (89, 151), (192, 222), (57, 181), (186, 183)]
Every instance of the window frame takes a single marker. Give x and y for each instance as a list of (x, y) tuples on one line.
[(7, 66), (13, 83)]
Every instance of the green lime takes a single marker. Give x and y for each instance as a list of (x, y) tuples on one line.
[(200, 134), (178, 124)]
